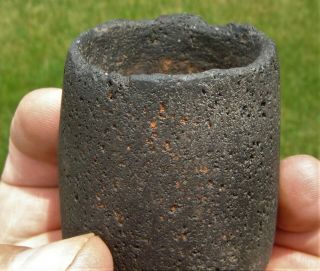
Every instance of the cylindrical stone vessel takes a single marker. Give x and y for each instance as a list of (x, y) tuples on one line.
[(169, 143)]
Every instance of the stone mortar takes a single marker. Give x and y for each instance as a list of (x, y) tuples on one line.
[(169, 143)]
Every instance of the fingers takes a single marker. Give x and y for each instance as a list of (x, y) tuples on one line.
[(287, 259), (307, 242), (33, 140), (35, 125), (29, 203), (23, 170), (85, 252), (27, 211), (299, 208)]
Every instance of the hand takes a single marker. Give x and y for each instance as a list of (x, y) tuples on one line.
[(297, 242), (29, 198), (29, 203)]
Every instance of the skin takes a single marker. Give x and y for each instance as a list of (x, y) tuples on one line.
[(30, 236)]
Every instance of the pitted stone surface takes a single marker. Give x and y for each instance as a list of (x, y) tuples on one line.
[(169, 143)]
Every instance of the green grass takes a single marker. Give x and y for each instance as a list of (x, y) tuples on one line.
[(35, 35)]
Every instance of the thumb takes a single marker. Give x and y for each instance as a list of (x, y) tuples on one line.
[(84, 252)]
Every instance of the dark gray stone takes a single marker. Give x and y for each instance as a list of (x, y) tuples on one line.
[(169, 143)]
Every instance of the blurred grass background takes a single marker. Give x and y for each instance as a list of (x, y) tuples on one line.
[(35, 35)]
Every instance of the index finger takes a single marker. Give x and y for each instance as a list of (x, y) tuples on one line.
[(32, 158)]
